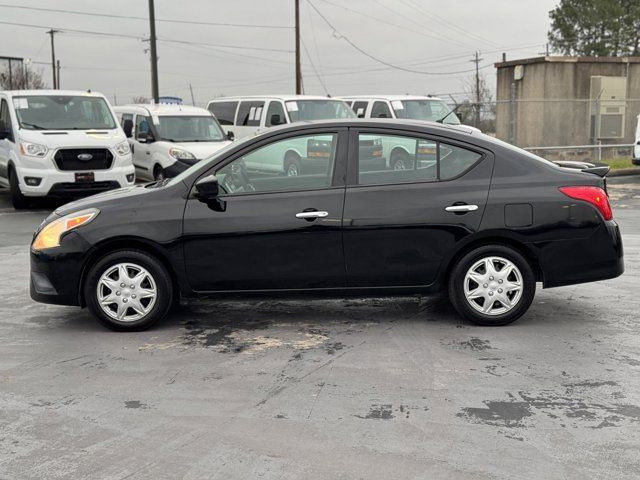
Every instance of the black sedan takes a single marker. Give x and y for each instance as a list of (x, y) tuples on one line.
[(477, 217)]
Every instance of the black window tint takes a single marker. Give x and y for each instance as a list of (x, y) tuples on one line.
[(125, 117), (225, 112), (380, 110), (275, 114), (5, 120), (249, 113), (297, 163), (360, 108), (454, 160), (393, 159)]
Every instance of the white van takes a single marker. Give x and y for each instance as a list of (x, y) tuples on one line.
[(60, 143), (246, 116), (166, 139), (636, 149)]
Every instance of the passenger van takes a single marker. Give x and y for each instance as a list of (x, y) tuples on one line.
[(60, 143), (166, 139), (636, 149), (246, 116), (399, 154)]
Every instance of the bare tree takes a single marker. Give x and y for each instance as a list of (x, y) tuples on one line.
[(140, 99), (487, 106), (22, 79)]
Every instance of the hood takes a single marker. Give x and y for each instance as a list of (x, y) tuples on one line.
[(201, 149), (94, 201), (73, 138)]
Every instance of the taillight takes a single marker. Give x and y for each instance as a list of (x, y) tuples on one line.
[(594, 195)]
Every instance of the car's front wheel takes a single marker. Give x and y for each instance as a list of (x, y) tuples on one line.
[(128, 290), (492, 285)]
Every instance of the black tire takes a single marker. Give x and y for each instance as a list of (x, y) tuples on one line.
[(158, 272), (400, 160), (158, 173), (18, 200), (291, 165), (464, 307)]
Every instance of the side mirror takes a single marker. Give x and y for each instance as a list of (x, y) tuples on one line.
[(275, 119), (207, 188), (127, 126), (231, 136)]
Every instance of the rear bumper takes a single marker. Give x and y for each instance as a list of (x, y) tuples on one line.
[(568, 262)]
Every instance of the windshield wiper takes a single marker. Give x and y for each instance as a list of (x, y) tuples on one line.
[(453, 110), (35, 127)]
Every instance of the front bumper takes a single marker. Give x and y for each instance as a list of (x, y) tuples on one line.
[(56, 272), (53, 180)]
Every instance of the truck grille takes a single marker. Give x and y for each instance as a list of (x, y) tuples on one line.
[(67, 159)]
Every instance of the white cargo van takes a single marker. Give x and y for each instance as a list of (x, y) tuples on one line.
[(246, 116), (166, 139), (60, 143)]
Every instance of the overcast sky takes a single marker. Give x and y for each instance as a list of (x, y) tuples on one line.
[(428, 36)]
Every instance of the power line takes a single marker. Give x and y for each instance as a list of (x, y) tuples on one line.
[(130, 17), (340, 36), (320, 79)]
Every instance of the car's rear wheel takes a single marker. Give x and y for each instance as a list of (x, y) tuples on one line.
[(400, 160), (291, 165), (128, 290), (492, 285), (18, 200)]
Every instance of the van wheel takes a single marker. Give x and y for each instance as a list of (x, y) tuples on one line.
[(291, 165), (400, 160), (18, 200), (492, 285), (158, 173), (128, 290)]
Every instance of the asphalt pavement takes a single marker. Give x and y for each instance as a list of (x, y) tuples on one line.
[(373, 389)]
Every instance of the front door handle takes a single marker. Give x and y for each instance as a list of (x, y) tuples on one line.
[(461, 208), (311, 215)]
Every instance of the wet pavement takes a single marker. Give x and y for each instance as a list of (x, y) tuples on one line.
[(376, 389)]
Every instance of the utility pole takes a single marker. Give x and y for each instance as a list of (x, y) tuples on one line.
[(193, 102), (52, 32), (477, 61), (298, 71), (58, 75), (155, 92)]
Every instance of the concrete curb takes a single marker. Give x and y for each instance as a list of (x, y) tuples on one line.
[(622, 172)]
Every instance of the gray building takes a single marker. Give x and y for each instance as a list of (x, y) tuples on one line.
[(562, 101)]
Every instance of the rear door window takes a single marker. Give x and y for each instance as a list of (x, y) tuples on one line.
[(249, 113), (225, 112), (360, 108)]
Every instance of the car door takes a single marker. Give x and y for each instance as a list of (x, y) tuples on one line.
[(269, 231), (399, 225), (248, 118)]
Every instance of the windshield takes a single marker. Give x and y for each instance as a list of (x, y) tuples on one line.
[(302, 110), (427, 109), (189, 128), (63, 112)]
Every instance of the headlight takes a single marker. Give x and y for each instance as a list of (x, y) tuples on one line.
[(123, 148), (33, 149), (50, 235), (181, 154)]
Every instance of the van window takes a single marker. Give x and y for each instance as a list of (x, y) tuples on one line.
[(275, 114), (225, 112), (249, 113), (143, 125), (360, 108), (125, 117), (63, 112), (380, 110), (5, 120), (307, 110)]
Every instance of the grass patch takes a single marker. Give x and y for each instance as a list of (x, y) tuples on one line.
[(618, 163)]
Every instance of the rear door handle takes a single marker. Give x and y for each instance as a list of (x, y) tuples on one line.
[(311, 215), (461, 208)]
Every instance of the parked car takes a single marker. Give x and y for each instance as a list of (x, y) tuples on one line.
[(484, 223), (636, 149), (60, 143), (246, 116), (398, 153), (166, 139)]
